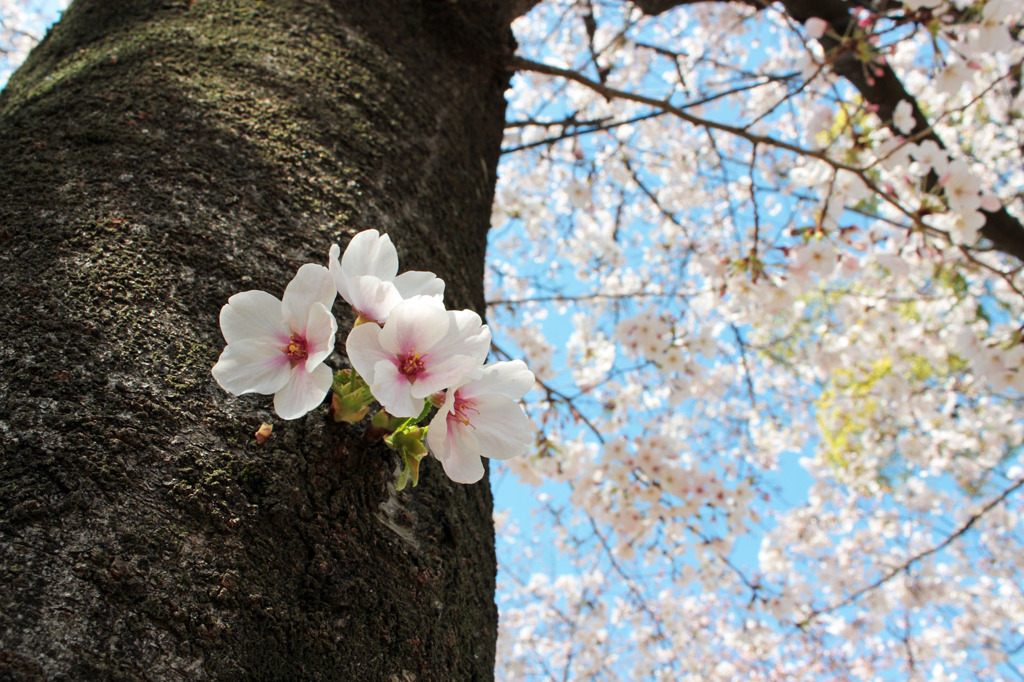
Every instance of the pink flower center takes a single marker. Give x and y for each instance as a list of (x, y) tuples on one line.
[(411, 364), (296, 351), (461, 410)]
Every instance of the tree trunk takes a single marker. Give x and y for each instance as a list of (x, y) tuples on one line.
[(157, 157)]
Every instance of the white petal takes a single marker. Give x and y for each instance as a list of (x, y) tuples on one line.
[(460, 459), (455, 448), (510, 379), (463, 467), (465, 321), (334, 267), (252, 366), (418, 283), (312, 284), (364, 350), (321, 329), (437, 431), (418, 323), (369, 253), (372, 297), (501, 429), (467, 336), (391, 389), (252, 314), (303, 392)]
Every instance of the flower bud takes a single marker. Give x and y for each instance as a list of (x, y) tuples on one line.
[(352, 398), (344, 410), (263, 433), (409, 444)]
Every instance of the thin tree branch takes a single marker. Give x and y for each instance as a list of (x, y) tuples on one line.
[(959, 532), (882, 88)]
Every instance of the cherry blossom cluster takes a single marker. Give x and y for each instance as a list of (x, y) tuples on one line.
[(787, 369), (407, 351)]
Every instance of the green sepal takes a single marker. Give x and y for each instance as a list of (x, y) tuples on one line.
[(352, 398), (408, 442)]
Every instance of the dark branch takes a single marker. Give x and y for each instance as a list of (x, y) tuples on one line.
[(905, 566), (882, 87), (655, 7)]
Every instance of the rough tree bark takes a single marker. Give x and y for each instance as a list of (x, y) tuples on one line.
[(157, 157)]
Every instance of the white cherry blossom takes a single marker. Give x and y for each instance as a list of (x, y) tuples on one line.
[(953, 78), (278, 345), (420, 350), (817, 257), (815, 27), (367, 276), (963, 228), (962, 187), (903, 117), (931, 157), (482, 418)]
